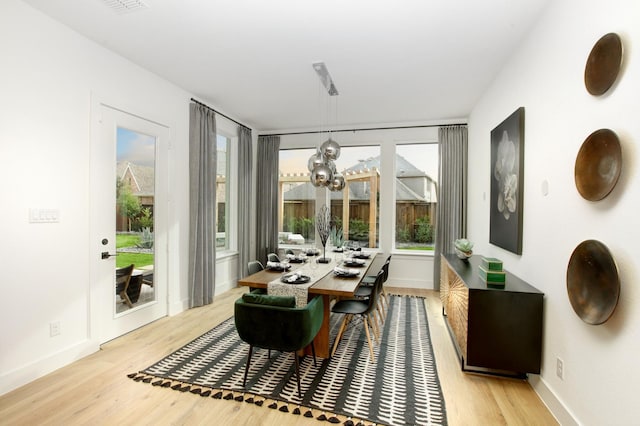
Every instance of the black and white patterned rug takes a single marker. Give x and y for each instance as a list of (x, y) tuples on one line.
[(400, 388)]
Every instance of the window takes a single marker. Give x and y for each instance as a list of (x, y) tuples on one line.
[(416, 195), (359, 222), (297, 198), (222, 191)]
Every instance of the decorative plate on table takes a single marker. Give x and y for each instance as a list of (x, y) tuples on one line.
[(346, 273), (297, 260), (295, 279), (279, 267), (357, 263), (312, 252), (359, 255)]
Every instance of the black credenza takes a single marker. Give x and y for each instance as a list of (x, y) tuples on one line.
[(496, 330)]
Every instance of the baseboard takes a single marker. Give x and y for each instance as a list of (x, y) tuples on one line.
[(21, 376), (224, 287), (409, 283), (557, 408)]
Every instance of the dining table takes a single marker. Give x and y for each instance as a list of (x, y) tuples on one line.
[(328, 286)]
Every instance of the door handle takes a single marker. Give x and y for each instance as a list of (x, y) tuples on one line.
[(106, 255)]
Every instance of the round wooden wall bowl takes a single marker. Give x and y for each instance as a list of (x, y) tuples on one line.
[(603, 64), (593, 284), (598, 165)]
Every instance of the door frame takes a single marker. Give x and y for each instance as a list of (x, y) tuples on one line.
[(99, 311)]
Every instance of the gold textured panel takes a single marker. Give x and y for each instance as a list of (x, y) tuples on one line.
[(455, 300)]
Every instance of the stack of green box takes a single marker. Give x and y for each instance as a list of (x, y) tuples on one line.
[(491, 272)]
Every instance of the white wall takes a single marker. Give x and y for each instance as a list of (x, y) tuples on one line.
[(410, 270), (47, 79), (546, 77)]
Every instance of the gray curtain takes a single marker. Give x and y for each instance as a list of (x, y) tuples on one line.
[(202, 204), (245, 180), (451, 221), (267, 196)]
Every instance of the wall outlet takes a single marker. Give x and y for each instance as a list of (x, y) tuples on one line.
[(54, 328), (560, 368)]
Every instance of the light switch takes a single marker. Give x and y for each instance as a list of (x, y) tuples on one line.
[(44, 215)]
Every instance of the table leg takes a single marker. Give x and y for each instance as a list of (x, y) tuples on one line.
[(321, 342)]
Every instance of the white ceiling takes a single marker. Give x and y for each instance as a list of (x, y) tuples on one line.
[(393, 61)]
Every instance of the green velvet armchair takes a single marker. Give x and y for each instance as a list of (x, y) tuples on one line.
[(273, 322)]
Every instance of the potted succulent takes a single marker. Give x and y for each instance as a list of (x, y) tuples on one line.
[(463, 248)]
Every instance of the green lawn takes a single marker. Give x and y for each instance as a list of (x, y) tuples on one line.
[(127, 240), (138, 259), (126, 259)]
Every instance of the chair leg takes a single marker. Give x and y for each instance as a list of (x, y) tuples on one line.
[(340, 331), (374, 326), (313, 351), (124, 296), (246, 368), (366, 329), (295, 356)]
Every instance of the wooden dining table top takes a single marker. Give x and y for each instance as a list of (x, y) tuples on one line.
[(330, 284)]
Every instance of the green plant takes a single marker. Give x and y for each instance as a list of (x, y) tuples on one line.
[(144, 219), (424, 231), (336, 237), (402, 234), (463, 245), (146, 239), (358, 230), (128, 203)]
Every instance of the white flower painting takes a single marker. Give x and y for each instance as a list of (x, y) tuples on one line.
[(507, 167), (504, 173)]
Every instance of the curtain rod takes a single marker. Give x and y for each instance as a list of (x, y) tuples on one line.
[(219, 113), (362, 129)]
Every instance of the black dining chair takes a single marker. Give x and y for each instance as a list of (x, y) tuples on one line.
[(272, 257), (366, 287), (361, 308), (253, 267)]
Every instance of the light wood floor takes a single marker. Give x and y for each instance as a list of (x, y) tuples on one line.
[(96, 391)]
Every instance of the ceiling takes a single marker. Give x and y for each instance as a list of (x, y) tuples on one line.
[(393, 61)]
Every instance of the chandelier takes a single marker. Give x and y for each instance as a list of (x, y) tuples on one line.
[(322, 164)]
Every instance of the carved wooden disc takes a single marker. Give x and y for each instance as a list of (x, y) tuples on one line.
[(593, 284), (603, 64)]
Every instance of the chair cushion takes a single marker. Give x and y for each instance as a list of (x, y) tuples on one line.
[(265, 299)]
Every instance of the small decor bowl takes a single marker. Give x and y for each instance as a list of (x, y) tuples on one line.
[(464, 255)]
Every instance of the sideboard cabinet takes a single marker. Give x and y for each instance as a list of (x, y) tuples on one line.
[(495, 330)]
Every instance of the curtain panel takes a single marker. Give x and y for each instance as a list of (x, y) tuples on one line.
[(267, 196), (202, 204), (245, 180), (452, 195)]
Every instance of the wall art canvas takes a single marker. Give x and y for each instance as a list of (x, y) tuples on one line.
[(507, 179)]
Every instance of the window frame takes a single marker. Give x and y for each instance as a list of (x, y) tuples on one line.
[(229, 131)]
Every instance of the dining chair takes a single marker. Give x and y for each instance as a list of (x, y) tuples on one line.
[(123, 278), (253, 267), (366, 287), (273, 322), (289, 251), (272, 257), (362, 308)]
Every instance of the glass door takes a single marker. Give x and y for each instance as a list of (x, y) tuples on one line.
[(129, 209), (134, 206)]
